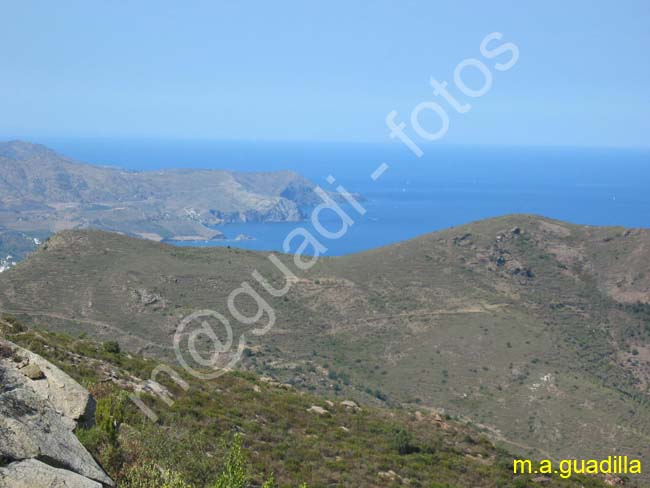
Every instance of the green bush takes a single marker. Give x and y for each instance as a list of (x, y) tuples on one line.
[(112, 347), (270, 483), (15, 325), (93, 439), (234, 473), (401, 441), (148, 475), (109, 414)]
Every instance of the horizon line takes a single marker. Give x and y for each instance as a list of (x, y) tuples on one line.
[(43, 140)]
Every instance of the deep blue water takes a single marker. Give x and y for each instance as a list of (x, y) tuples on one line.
[(448, 186)]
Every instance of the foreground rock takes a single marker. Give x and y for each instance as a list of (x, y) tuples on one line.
[(32, 473), (67, 396), (37, 420)]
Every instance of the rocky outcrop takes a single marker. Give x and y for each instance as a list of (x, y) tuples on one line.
[(317, 410), (68, 397), (31, 473), (350, 405), (37, 421)]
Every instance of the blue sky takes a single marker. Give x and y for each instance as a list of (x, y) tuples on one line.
[(259, 70)]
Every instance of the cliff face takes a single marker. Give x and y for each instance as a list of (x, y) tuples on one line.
[(40, 406), (41, 190)]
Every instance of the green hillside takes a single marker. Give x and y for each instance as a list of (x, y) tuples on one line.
[(536, 330), (281, 435)]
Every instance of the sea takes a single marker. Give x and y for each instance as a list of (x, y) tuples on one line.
[(448, 186)]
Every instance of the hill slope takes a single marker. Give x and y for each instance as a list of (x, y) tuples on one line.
[(294, 436), (537, 329)]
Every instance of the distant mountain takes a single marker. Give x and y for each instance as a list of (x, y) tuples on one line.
[(41, 190), (538, 330)]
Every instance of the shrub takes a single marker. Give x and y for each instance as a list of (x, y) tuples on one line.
[(14, 324), (112, 347), (109, 414), (93, 438), (270, 483), (148, 475), (234, 471), (234, 474), (402, 442)]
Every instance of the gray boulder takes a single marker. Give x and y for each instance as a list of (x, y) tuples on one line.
[(37, 421), (31, 473), (66, 395)]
